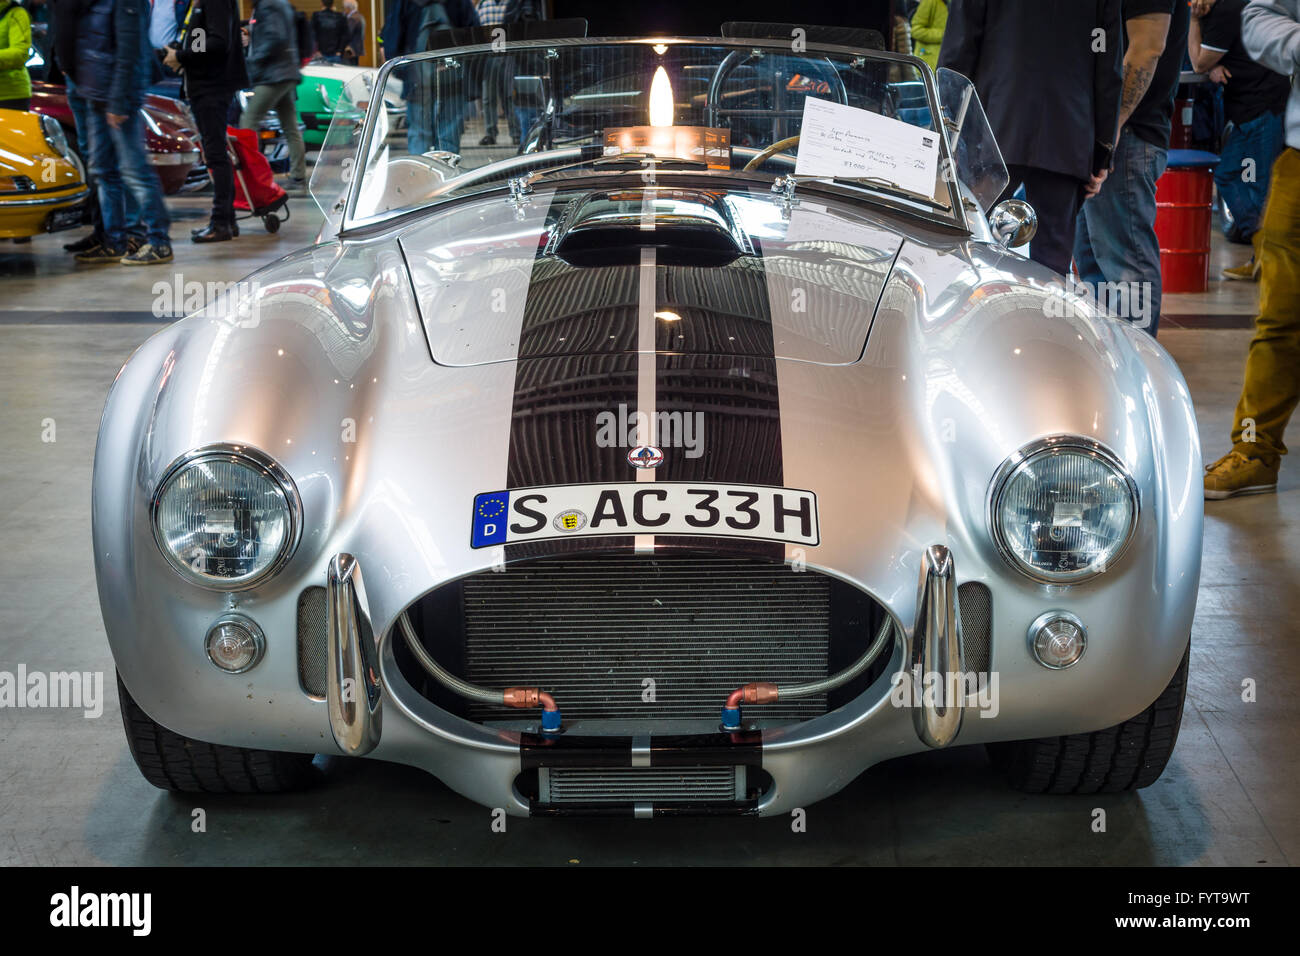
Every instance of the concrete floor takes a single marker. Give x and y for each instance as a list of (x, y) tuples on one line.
[(70, 794)]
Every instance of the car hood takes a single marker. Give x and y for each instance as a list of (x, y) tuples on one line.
[(493, 283)]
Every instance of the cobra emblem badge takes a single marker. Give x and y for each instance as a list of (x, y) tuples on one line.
[(645, 456)]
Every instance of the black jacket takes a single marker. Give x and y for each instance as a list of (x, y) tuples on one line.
[(211, 52), (103, 46), (1048, 81), (405, 21), (273, 44), (331, 31)]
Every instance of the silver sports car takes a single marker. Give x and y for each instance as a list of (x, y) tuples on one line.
[(702, 451)]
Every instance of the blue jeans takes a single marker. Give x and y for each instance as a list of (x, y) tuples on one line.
[(1115, 246), (1260, 141), (121, 169)]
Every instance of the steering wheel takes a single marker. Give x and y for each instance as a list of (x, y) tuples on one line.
[(779, 146)]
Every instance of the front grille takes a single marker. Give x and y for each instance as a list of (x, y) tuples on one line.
[(621, 636), (312, 646), (565, 785), (975, 605)]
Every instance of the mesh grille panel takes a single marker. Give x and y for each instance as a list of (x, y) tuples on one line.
[(975, 603), (592, 630), (312, 645), (635, 784)]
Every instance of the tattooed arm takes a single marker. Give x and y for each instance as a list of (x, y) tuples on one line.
[(1146, 41)]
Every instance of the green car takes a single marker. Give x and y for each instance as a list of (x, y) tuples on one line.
[(322, 87)]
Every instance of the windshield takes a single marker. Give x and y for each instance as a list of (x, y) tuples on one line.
[(745, 109)]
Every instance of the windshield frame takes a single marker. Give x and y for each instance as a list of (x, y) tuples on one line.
[(349, 223)]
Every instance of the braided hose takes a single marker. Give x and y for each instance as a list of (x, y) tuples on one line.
[(520, 697)]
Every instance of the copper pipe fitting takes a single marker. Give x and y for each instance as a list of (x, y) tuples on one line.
[(759, 692), (522, 697), (528, 697)]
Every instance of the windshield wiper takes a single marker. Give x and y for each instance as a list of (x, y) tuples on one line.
[(888, 187)]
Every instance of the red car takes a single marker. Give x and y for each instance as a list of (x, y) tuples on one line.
[(169, 133)]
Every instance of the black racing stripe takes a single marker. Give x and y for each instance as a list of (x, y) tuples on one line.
[(577, 359), (716, 385)]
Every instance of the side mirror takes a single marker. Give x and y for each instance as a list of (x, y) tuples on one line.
[(1013, 222)]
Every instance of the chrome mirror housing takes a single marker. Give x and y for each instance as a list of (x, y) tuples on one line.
[(1013, 222)]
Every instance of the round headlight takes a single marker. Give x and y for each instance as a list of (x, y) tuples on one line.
[(226, 517), (54, 135), (1062, 509)]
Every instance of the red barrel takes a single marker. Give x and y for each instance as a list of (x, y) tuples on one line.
[(1184, 213)]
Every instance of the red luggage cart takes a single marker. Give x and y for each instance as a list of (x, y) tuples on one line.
[(256, 191)]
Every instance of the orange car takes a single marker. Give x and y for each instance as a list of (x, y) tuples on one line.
[(42, 183)]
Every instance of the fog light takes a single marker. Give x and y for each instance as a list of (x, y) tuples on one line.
[(235, 644), (1058, 639)]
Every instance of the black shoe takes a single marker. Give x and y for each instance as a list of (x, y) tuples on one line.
[(134, 244), (488, 140), (215, 232), (102, 253), (84, 245)]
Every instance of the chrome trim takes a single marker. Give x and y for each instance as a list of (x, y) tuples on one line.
[(247, 455), (1042, 620), (45, 201), (353, 693), (936, 648), (174, 159), (248, 624), (641, 750), (998, 483), (1013, 223)]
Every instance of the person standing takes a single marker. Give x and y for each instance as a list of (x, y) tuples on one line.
[(1270, 33), (330, 28), (1115, 246), (273, 70), (15, 45), (355, 46), (492, 13), (928, 25), (210, 57), (112, 65), (1061, 149), (408, 26), (1254, 98)]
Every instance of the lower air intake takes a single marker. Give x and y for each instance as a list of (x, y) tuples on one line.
[(621, 785), (975, 604), (312, 646)]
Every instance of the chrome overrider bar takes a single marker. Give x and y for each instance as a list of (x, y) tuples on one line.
[(353, 692), (935, 655)]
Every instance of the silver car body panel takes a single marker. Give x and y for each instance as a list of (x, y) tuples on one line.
[(967, 360)]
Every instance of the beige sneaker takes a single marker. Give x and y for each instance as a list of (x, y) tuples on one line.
[(1235, 474)]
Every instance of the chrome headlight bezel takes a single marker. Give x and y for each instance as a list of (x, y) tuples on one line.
[(270, 469), (1055, 444)]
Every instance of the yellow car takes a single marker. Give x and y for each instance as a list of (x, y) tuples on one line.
[(42, 182)]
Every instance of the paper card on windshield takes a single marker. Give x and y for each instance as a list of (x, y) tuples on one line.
[(838, 140)]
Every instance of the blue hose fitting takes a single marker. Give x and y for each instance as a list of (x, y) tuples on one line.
[(551, 721), (730, 718)]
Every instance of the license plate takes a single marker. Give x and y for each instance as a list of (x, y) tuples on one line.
[(62, 219), (659, 508)]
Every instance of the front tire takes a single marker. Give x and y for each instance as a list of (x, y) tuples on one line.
[(171, 761), (1129, 756)]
